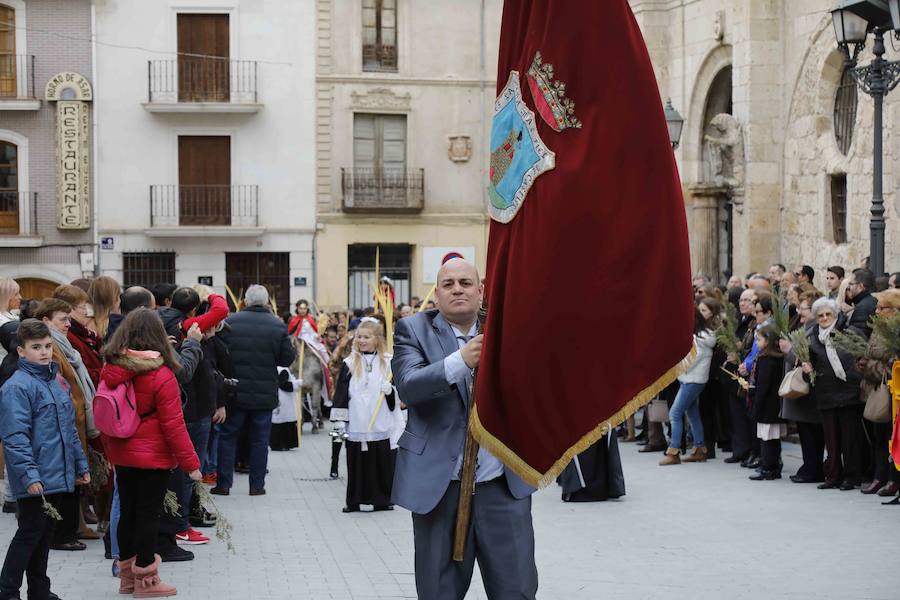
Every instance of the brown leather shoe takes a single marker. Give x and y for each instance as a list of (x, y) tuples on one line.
[(672, 457), (873, 487), (698, 454), (889, 490)]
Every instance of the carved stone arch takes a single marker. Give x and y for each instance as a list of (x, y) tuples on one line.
[(812, 158), (719, 58), (813, 95)]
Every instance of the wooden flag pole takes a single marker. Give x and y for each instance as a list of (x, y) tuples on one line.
[(467, 473)]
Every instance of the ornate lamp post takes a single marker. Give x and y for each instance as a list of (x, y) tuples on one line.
[(853, 20), (675, 122)]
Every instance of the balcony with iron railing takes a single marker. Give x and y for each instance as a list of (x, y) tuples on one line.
[(18, 219), (17, 82), (202, 84), (375, 191), (211, 210), (379, 58)]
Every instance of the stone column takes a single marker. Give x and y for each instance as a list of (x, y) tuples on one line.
[(705, 229), (758, 75)]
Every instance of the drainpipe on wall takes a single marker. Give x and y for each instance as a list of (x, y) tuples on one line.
[(313, 262), (485, 142), (95, 217)]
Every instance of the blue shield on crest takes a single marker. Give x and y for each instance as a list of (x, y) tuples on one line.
[(518, 154)]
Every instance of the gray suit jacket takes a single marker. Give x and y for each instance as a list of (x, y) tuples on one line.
[(438, 413)]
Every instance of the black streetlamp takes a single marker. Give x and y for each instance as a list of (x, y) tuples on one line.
[(675, 122), (853, 20)]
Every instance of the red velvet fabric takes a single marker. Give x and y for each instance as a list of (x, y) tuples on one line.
[(589, 285)]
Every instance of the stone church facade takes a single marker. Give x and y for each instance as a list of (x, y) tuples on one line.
[(776, 151)]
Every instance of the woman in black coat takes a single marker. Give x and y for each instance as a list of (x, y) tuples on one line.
[(765, 403), (837, 396), (803, 410)]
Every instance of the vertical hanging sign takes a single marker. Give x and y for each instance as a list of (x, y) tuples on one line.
[(72, 92)]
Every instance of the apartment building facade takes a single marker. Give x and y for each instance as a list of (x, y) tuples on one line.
[(405, 94), (206, 144), (47, 133)]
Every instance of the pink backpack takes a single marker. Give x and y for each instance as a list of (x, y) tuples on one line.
[(115, 410)]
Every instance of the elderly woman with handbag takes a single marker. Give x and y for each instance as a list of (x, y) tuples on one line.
[(837, 395), (802, 409)]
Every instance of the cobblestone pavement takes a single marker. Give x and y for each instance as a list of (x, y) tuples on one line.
[(690, 531)]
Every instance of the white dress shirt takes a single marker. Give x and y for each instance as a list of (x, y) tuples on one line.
[(488, 467)]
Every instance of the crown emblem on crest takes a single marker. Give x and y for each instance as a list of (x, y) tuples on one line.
[(549, 95)]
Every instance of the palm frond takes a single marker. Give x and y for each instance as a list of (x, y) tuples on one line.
[(780, 315), (726, 336)]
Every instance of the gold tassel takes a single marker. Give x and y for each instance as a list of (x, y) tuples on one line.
[(541, 480)]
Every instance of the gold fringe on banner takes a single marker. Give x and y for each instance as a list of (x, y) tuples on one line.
[(541, 480)]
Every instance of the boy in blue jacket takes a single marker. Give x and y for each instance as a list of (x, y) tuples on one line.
[(43, 456)]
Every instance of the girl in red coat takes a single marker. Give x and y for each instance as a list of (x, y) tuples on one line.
[(140, 352)]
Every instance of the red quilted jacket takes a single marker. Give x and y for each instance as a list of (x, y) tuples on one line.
[(161, 441)]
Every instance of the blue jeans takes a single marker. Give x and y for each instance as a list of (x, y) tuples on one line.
[(211, 464), (687, 401), (260, 423), (199, 434), (115, 512)]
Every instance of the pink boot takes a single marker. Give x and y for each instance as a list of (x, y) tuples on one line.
[(147, 583), (126, 576)]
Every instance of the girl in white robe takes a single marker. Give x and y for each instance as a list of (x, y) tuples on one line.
[(366, 403)]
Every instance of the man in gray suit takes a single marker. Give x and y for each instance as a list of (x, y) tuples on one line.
[(434, 354)]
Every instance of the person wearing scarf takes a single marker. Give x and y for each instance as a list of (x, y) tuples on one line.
[(56, 314), (837, 395), (83, 340)]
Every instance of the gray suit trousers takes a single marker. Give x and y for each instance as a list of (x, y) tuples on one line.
[(501, 538)]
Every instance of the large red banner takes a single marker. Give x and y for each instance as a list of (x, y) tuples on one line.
[(588, 268)]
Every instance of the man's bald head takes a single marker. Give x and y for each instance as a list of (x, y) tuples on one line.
[(137, 297), (459, 292), (457, 265)]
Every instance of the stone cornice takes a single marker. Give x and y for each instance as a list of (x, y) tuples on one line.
[(338, 218), (381, 79)]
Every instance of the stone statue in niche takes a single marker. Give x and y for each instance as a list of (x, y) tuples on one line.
[(724, 145)]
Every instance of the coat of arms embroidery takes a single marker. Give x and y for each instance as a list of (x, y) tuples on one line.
[(549, 96), (518, 154)]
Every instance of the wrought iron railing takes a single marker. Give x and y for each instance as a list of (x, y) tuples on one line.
[(16, 77), (193, 205), (383, 190), (202, 79), (18, 213), (379, 58)]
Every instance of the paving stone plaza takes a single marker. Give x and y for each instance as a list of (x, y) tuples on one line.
[(690, 531)]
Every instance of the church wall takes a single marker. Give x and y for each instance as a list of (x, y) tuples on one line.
[(785, 75)]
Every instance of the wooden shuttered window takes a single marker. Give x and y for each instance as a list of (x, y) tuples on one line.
[(7, 52), (203, 58), (204, 178), (9, 188), (379, 142)]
